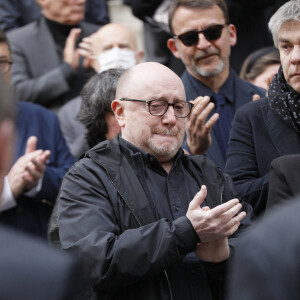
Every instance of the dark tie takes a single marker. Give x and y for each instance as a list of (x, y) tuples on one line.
[(223, 126)]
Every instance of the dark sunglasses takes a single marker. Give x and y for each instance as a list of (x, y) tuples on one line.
[(191, 38)]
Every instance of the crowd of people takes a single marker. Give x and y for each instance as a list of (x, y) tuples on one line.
[(169, 175)]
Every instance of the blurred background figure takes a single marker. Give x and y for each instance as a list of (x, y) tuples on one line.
[(30, 268), (47, 68), (112, 46), (17, 13), (260, 67), (267, 264), (41, 159)]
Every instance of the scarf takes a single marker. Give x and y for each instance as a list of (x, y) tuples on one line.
[(284, 101)]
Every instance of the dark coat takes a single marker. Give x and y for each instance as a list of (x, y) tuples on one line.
[(267, 265), (284, 180), (243, 92), (31, 269), (105, 218), (32, 213), (38, 72), (257, 137)]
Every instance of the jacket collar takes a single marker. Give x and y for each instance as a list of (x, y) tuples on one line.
[(108, 155)]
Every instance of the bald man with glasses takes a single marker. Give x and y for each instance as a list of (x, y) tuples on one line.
[(202, 38), (148, 221)]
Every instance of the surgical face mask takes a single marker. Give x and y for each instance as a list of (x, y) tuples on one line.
[(116, 58)]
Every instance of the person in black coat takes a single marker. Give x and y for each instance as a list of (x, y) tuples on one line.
[(125, 209), (269, 128)]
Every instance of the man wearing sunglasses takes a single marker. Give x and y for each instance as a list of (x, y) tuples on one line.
[(135, 208), (202, 38)]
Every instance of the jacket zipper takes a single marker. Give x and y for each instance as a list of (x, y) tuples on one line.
[(95, 160)]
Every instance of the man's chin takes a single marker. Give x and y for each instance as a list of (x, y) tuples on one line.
[(164, 149)]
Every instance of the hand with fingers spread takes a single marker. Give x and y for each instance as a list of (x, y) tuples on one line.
[(216, 223), (197, 128), (28, 169)]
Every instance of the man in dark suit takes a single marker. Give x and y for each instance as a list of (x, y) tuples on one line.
[(202, 38), (269, 128), (29, 268), (47, 68), (28, 199)]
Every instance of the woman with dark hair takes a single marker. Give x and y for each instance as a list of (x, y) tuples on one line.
[(260, 66)]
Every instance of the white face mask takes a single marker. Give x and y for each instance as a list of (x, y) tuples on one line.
[(116, 58)]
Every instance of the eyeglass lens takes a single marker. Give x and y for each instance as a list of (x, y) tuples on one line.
[(158, 108), (191, 38)]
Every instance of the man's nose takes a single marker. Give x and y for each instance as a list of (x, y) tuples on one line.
[(169, 117), (203, 43), (295, 57)]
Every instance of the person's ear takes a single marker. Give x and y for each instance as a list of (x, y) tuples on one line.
[(171, 43), (232, 35), (118, 110), (139, 56)]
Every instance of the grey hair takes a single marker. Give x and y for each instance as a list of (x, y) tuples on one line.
[(290, 11), (97, 95)]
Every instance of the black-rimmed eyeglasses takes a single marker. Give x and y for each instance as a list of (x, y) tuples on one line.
[(159, 107), (4, 65), (191, 38)]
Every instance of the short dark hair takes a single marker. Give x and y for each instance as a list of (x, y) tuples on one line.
[(4, 39), (257, 61), (196, 4), (97, 95)]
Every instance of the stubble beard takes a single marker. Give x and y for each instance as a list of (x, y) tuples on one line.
[(202, 71), (166, 150)]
